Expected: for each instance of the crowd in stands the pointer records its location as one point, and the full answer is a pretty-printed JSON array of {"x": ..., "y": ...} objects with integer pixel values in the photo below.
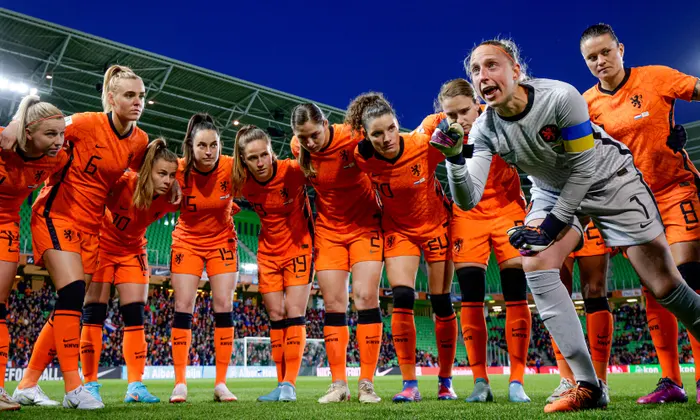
[{"x": 28, "y": 310}]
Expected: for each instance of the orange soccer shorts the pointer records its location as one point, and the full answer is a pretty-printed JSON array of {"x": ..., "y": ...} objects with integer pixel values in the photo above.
[
  {"x": 679, "y": 213},
  {"x": 593, "y": 244},
  {"x": 475, "y": 233},
  {"x": 62, "y": 235},
  {"x": 334, "y": 251},
  {"x": 275, "y": 276},
  {"x": 9, "y": 242},
  {"x": 118, "y": 269},
  {"x": 435, "y": 245},
  {"x": 189, "y": 259}
]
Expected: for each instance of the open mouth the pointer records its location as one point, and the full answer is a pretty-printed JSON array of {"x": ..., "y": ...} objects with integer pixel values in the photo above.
[{"x": 489, "y": 92}]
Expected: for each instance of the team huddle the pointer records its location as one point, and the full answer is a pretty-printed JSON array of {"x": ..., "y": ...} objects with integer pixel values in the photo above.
[{"x": 608, "y": 170}]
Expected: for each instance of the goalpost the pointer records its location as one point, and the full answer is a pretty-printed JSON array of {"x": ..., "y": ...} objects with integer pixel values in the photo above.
[{"x": 257, "y": 351}]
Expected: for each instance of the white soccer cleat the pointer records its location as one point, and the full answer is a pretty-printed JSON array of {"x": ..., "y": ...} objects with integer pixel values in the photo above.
[
  {"x": 33, "y": 396},
  {"x": 366, "y": 394},
  {"x": 7, "y": 403},
  {"x": 81, "y": 399},
  {"x": 179, "y": 394},
  {"x": 337, "y": 392},
  {"x": 564, "y": 385},
  {"x": 222, "y": 394}
]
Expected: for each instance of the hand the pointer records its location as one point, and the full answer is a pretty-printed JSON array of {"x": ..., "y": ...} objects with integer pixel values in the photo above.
[
  {"x": 531, "y": 240},
  {"x": 677, "y": 139},
  {"x": 176, "y": 194},
  {"x": 8, "y": 137},
  {"x": 448, "y": 138}
]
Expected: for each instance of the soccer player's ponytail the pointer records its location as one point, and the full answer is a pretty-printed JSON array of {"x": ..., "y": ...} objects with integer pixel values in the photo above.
[
  {"x": 109, "y": 84},
  {"x": 30, "y": 115},
  {"x": 156, "y": 150},
  {"x": 301, "y": 114},
  {"x": 245, "y": 135},
  {"x": 366, "y": 107},
  {"x": 199, "y": 121}
]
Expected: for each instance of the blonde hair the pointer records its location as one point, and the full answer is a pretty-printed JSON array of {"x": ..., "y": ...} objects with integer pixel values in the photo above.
[
  {"x": 29, "y": 116},
  {"x": 244, "y": 136},
  {"x": 143, "y": 194},
  {"x": 509, "y": 48},
  {"x": 301, "y": 114},
  {"x": 112, "y": 77}
]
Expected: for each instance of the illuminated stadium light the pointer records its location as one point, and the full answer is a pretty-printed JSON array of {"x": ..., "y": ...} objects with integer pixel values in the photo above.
[
  {"x": 17, "y": 87},
  {"x": 579, "y": 302},
  {"x": 497, "y": 309},
  {"x": 151, "y": 102},
  {"x": 532, "y": 305},
  {"x": 631, "y": 300},
  {"x": 250, "y": 267},
  {"x": 236, "y": 122},
  {"x": 49, "y": 76}
]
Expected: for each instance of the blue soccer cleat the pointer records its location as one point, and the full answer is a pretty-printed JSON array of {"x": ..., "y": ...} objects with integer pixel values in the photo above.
[
  {"x": 516, "y": 393},
  {"x": 287, "y": 392},
  {"x": 94, "y": 389},
  {"x": 272, "y": 396},
  {"x": 136, "y": 392},
  {"x": 410, "y": 393}
]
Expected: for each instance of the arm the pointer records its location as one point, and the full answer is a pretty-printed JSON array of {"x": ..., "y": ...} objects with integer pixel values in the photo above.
[
  {"x": 696, "y": 91},
  {"x": 467, "y": 178},
  {"x": 577, "y": 134}
]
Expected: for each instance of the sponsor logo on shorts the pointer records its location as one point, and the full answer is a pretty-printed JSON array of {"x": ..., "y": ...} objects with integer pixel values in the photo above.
[
  {"x": 644, "y": 225},
  {"x": 688, "y": 228}
]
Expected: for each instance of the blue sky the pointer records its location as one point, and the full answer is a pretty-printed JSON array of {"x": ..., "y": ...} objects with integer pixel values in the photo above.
[{"x": 331, "y": 51}]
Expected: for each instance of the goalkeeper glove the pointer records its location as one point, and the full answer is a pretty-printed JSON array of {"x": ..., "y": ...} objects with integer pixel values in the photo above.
[
  {"x": 677, "y": 139},
  {"x": 448, "y": 138},
  {"x": 530, "y": 240}
]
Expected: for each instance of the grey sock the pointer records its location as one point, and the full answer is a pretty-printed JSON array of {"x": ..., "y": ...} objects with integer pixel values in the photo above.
[
  {"x": 559, "y": 315},
  {"x": 684, "y": 303}
]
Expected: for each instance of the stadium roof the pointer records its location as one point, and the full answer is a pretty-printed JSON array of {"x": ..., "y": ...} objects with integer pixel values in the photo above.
[{"x": 66, "y": 66}]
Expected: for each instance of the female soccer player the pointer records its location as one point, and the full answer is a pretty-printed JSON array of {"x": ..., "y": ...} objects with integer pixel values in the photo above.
[
  {"x": 277, "y": 191},
  {"x": 473, "y": 234},
  {"x": 592, "y": 260},
  {"x": 347, "y": 240},
  {"x": 38, "y": 154},
  {"x": 66, "y": 218},
  {"x": 635, "y": 105},
  {"x": 415, "y": 218},
  {"x": 135, "y": 201},
  {"x": 204, "y": 236},
  {"x": 543, "y": 126}
]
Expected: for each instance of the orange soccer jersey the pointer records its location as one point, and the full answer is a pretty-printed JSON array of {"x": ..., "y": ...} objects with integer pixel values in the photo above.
[
  {"x": 639, "y": 113},
  {"x": 98, "y": 157},
  {"x": 347, "y": 226},
  {"x": 285, "y": 240},
  {"x": 414, "y": 207},
  {"x": 19, "y": 177},
  {"x": 475, "y": 232},
  {"x": 205, "y": 232}
]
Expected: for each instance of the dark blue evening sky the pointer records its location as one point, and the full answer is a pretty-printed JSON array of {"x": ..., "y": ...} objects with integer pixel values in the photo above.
[{"x": 331, "y": 51}]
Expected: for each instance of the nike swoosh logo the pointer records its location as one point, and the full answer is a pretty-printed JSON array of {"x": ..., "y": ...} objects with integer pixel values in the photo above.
[
  {"x": 691, "y": 227},
  {"x": 600, "y": 243},
  {"x": 643, "y": 225},
  {"x": 292, "y": 338},
  {"x": 301, "y": 275},
  {"x": 330, "y": 335},
  {"x": 4, "y": 347},
  {"x": 445, "y": 341},
  {"x": 97, "y": 146},
  {"x": 101, "y": 374},
  {"x": 274, "y": 341},
  {"x": 141, "y": 352},
  {"x": 375, "y": 336},
  {"x": 68, "y": 341},
  {"x": 602, "y": 337},
  {"x": 383, "y": 372},
  {"x": 134, "y": 396},
  {"x": 227, "y": 338},
  {"x": 180, "y": 338},
  {"x": 519, "y": 329}
]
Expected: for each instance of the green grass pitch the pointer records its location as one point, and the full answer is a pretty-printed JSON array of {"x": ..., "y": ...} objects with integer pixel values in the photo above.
[{"x": 625, "y": 389}]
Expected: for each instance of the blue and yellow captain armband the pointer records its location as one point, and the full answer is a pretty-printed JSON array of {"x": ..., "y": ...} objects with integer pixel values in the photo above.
[{"x": 578, "y": 138}]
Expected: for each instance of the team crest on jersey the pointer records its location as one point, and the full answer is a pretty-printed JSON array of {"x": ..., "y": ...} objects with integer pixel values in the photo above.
[
  {"x": 344, "y": 155},
  {"x": 458, "y": 245},
  {"x": 416, "y": 169},
  {"x": 223, "y": 186},
  {"x": 549, "y": 133},
  {"x": 636, "y": 101},
  {"x": 38, "y": 175},
  {"x": 284, "y": 193}
]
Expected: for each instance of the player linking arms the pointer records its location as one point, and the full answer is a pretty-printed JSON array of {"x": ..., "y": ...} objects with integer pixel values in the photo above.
[
  {"x": 635, "y": 105},
  {"x": 204, "y": 236},
  {"x": 473, "y": 234},
  {"x": 347, "y": 239},
  {"x": 543, "y": 127},
  {"x": 38, "y": 154},
  {"x": 415, "y": 218},
  {"x": 136, "y": 201},
  {"x": 277, "y": 191}
]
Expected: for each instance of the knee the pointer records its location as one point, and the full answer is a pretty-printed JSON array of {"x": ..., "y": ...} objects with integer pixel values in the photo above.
[
  {"x": 222, "y": 303},
  {"x": 365, "y": 299},
  {"x": 595, "y": 289},
  {"x": 514, "y": 284},
  {"x": 133, "y": 314},
  {"x": 403, "y": 297},
  {"x": 276, "y": 313},
  {"x": 472, "y": 283},
  {"x": 184, "y": 305},
  {"x": 535, "y": 263},
  {"x": 335, "y": 302}
]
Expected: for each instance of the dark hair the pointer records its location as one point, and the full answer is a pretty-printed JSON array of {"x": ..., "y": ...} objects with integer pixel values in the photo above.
[
  {"x": 244, "y": 136},
  {"x": 156, "y": 150},
  {"x": 301, "y": 114},
  {"x": 509, "y": 47},
  {"x": 599, "y": 29},
  {"x": 454, "y": 88},
  {"x": 197, "y": 123},
  {"x": 365, "y": 107}
]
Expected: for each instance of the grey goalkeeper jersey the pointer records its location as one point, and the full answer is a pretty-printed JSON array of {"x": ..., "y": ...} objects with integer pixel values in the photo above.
[{"x": 552, "y": 141}]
